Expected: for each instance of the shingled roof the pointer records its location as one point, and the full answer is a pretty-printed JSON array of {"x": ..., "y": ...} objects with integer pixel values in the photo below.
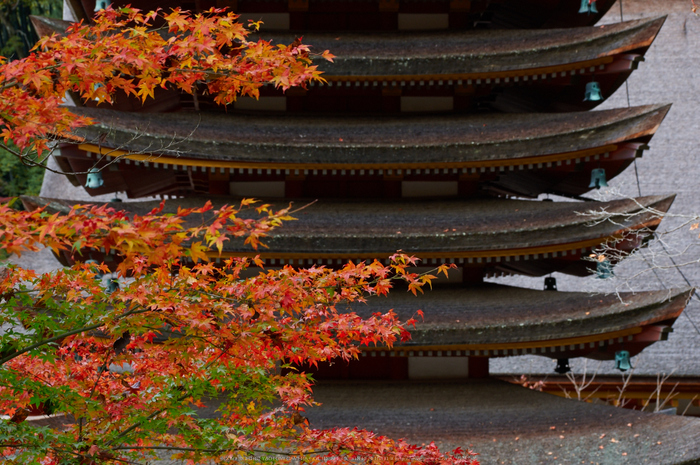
[
  {"x": 506, "y": 423},
  {"x": 47, "y": 26},
  {"x": 376, "y": 228},
  {"x": 317, "y": 142},
  {"x": 490, "y": 313},
  {"x": 486, "y": 53},
  {"x": 509, "y": 233},
  {"x": 497, "y": 70},
  {"x": 502, "y": 320}
]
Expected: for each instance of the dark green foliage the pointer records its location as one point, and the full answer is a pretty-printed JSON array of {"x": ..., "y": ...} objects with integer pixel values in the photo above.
[
  {"x": 17, "y": 35},
  {"x": 17, "y": 178}
]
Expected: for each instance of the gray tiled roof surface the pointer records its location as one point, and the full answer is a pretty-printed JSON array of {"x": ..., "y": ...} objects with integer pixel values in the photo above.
[
  {"x": 504, "y": 423},
  {"x": 491, "y": 314},
  {"x": 371, "y": 140},
  {"x": 380, "y": 227},
  {"x": 430, "y": 53},
  {"x": 507, "y": 424}
]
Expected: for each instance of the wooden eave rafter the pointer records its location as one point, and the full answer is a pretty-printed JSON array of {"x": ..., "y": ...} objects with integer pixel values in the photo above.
[
  {"x": 574, "y": 341},
  {"x": 222, "y": 164},
  {"x": 476, "y": 78}
]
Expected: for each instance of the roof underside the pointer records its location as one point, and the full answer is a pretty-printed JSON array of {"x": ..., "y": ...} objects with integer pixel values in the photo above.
[{"x": 519, "y": 14}]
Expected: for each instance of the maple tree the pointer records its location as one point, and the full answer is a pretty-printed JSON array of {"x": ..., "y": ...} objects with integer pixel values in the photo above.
[
  {"x": 127, "y": 366},
  {"x": 123, "y": 52}
]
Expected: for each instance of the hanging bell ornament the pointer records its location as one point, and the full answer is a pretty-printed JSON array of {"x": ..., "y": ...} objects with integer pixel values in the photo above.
[
  {"x": 562, "y": 366},
  {"x": 550, "y": 284},
  {"x": 622, "y": 360},
  {"x": 101, "y": 5},
  {"x": 598, "y": 178},
  {"x": 603, "y": 269},
  {"x": 593, "y": 93},
  {"x": 112, "y": 285},
  {"x": 588, "y": 7},
  {"x": 94, "y": 179}
]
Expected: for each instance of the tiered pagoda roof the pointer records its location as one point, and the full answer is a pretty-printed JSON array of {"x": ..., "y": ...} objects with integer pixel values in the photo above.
[
  {"x": 545, "y": 153},
  {"x": 458, "y": 71},
  {"x": 489, "y": 320},
  {"x": 487, "y": 237},
  {"x": 454, "y": 157},
  {"x": 447, "y": 71},
  {"x": 525, "y": 321}
]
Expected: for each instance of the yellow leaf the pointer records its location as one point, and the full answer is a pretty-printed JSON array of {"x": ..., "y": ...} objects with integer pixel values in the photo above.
[{"x": 197, "y": 251}]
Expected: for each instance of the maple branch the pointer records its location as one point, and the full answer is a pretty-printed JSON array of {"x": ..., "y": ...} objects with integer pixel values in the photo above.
[
  {"x": 237, "y": 449},
  {"x": 158, "y": 412},
  {"x": 64, "y": 335},
  {"x": 90, "y": 459},
  {"x": 26, "y": 160},
  {"x": 92, "y": 392},
  {"x": 148, "y": 418},
  {"x": 65, "y": 451},
  {"x": 14, "y": 83},
  {"x": 49, "y": 341}
]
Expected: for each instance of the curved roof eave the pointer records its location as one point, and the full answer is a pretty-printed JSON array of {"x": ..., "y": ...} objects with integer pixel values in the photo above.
[
  {"x": 473, "y": 52},
  {"x": 281, "y": 140},
  {"x": 495, "y": 316},
  {"x": 440, "y": 228}
]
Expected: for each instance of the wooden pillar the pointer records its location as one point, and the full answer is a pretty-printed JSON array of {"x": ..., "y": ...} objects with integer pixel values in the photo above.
[{"x": 478, "y": 367}]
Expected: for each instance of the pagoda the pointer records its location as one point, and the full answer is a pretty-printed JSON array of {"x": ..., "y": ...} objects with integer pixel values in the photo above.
[
  {"x": 439, "y": 126},
  {"x": 413, "y": 150}
]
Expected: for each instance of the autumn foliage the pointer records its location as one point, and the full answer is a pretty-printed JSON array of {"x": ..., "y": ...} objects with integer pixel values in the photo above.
[
  {"x": 129, "y": 366},
  {"x": 122, "y": 51},
  {"x": 184, "y": 357}
]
